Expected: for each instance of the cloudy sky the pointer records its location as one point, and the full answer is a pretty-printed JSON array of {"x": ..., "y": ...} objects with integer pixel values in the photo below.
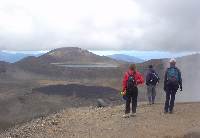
[{"x": 141, "y": 25}]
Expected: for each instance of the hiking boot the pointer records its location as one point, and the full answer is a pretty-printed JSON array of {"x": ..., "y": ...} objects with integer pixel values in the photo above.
[
  {"x": 133, "y": 114},
  {"x": 125, "y": 116},
  {"x": 165, "y": 112}
]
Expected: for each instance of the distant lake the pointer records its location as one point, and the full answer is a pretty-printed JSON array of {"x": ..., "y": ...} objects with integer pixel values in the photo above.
[{"x": 86, "y": 65}]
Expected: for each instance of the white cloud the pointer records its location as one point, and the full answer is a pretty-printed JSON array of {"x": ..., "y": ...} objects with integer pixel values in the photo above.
[{"x": 99, "y": 24}]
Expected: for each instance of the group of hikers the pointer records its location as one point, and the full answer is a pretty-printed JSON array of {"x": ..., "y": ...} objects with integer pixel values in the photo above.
[{"x": 133, "y": 78}]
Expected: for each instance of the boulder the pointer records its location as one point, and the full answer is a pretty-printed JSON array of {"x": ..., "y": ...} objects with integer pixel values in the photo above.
[{"x": 101, "y": 103}]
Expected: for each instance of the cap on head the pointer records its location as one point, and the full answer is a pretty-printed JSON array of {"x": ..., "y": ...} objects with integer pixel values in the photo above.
[{"x": 173, "y": 61}]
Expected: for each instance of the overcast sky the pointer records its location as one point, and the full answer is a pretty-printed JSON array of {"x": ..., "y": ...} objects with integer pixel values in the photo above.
[{"x": 147, "y": 25}]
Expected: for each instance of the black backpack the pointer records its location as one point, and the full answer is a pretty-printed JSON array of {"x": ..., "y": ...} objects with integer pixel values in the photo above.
[
  {"x": 154, "y": 79},
  {"x": 131, "y": 83}
]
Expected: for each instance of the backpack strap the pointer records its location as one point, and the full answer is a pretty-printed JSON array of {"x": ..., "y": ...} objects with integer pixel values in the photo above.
[{"x": 130, "y": 74}]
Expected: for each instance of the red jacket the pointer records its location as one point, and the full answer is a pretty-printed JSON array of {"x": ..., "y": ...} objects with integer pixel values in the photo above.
[{"x": 138, "y": 78}]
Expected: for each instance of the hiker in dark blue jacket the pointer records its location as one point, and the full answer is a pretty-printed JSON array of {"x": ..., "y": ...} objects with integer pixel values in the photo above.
[
  {"x": 172, "y": 82},
  {"x": 152, "y": 79}
]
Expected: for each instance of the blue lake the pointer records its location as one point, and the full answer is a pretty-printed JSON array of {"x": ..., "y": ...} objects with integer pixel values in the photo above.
[{"x": 87, "y": 65}]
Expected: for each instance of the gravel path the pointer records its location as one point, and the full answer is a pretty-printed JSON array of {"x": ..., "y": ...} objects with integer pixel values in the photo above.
[{"x": 89, "y": 122}]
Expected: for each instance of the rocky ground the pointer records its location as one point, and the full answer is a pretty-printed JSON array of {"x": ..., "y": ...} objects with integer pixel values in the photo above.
[{"x": 88, "y": 122}]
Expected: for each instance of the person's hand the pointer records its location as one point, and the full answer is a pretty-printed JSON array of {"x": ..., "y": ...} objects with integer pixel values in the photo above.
[
  {"x": 123, "y": 93},
  {"x": 181, "y": 89}
]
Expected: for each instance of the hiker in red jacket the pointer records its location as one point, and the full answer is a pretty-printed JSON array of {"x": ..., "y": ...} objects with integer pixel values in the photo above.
[{"x": 132, "y": 79}]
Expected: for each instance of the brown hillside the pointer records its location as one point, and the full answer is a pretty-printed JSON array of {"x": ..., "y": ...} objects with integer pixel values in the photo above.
[
  {"x": 49, "y": 65},
  {"x": 74, "y": 55}
]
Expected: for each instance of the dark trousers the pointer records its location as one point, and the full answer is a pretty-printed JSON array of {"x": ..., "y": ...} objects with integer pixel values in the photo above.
[
  {"x": 170, "y": 98},
  {"x": 131, "y": 98}
]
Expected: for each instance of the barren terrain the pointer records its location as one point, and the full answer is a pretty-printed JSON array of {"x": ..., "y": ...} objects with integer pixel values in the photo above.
[{"x": 88, "y": 122}]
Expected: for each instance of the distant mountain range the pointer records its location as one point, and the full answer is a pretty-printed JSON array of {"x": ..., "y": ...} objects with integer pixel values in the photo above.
[
  {"x": 14, "y": 57},
  {"x": 126, "y": 58}
]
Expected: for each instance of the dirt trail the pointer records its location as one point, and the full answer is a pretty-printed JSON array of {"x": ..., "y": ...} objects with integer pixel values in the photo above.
[{"x": 88, "y": 122}]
